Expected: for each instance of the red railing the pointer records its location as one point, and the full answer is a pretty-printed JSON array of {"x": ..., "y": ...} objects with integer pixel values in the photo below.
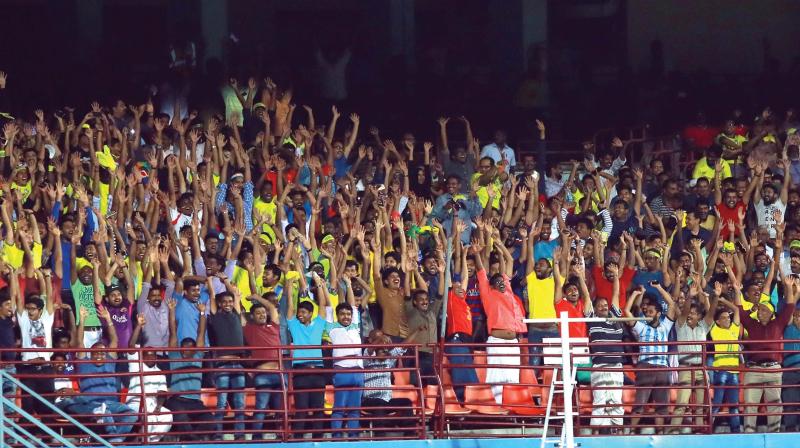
[{"x": 425, "y": 402}]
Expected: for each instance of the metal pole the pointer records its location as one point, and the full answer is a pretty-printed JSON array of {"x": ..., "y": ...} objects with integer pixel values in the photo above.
[
  {"x": 566, "y": 375},
  {"x": 448, "y": 260},
  {"x": 2, "y": 411}
]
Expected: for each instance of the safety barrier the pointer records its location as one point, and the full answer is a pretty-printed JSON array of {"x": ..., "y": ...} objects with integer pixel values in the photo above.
[{"x": 449, "y": 390}]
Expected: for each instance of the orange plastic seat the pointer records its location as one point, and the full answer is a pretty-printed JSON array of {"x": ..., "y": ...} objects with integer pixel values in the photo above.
[
  {"x": 405, "y": 391},
  {"x": 209, "y": 397},
  {"x": 402, "y": 377},
  {"x": 519, "y": 400},
  {"x": 479, "y": 398},
  {"x": 249, "y": 401},
  {"x": 451, "y": 404}
]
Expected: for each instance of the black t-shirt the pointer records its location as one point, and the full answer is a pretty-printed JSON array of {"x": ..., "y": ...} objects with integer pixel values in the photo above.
[
  {"x": 631, "y": 225},
  {"x": 8, "y": 339},
  {"x": 225, "y": 330}
]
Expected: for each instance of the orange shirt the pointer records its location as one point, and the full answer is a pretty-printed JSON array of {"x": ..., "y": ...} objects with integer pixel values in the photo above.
[
  {"x": 459, "y": 316},
  {"x": 576, "y": 329},
  {"x": 503, "y": 311}
]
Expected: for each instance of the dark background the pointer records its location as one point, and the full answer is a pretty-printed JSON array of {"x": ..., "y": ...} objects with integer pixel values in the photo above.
[{"x": 602, "y": 63}]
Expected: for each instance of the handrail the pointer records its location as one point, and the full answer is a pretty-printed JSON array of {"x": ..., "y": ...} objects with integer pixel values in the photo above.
[
  {"x": 432, "y": 408},
  {"x": 5, "y": 376}
]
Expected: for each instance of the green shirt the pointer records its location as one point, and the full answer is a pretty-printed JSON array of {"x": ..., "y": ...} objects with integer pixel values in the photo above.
[{"x": 84, "y": 298}]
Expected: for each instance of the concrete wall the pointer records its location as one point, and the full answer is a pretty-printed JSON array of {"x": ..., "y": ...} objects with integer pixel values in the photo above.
[
  {"x": 719, "y": 35},
  {"x": 726, "y": 440}
]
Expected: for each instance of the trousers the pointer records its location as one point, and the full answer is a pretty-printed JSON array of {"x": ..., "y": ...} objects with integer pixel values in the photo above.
[
  {"x": 269, "y": 395},
  {"x": 697, "y": 380},
  {"x": 225, "y": 381},
  {"x": 193, "y": 425},
  {"x": 766, "y": 383},
  {"x": 726, "y": 391},
  {"x": 607, "y": 407},
  {"x": 347, "y": 402}
]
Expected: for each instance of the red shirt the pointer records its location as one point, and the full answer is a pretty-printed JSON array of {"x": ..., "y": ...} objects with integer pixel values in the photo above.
[
  {"x": 272, "y": 176},
  {"x": 576, "y": 329},
  {"x": 604, "y": 288},
  {"x": 727, "y": 214},
  {"x": 31, "y": 286},
  {"x": 263, "y": 336},
  {"x": 503, "y": 309},
  {"x": 459, "y": 316},
  {"x": 702, "y": 136}
]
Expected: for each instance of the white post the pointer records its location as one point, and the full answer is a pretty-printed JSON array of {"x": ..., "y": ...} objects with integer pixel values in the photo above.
[{"x": 566, "y": 374}]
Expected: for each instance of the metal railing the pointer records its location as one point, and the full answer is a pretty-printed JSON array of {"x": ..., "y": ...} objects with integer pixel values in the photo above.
[{"x": 429, "y": 397}]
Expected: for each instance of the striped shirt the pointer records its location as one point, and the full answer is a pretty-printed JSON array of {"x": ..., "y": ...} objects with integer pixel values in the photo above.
[
  {"x": 379, "y": 384},
  {"x": 604, "y": 333},
  {"x": 474, "y": 300},
  {"x": 653, "y": 354},
  {"x": 691, "y": 354}
]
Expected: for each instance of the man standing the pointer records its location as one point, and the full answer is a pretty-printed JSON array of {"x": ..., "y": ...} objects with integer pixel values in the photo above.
[
  {"x": 499, "y": 151},
  {"x": 791, "y": 378},
  {"x": 692, "y": 326},
  {"x": 764, "y": 360},
  {"x": 35, "y": 319},
  {"x": 504, "y": 316},
  {"x": 652, "y": 383}
]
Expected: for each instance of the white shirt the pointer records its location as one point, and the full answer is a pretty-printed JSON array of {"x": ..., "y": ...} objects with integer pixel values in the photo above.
[
  {"x": 154, "y": 382},
  {"x": 180, "y": 220},
  {"x": 36, "y": 334},
  {"x": 764, "y": 214},
  {"x": 350, "y": 335},
  {"x": 494, "y": 151}
]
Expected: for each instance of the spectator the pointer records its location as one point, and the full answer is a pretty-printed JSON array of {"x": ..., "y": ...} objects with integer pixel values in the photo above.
[
  {"x": 693, "y": 324},
  {"x": 378, "y": 381},
  {"x": 421, "y": 313},
  {"x": 499, "y": 151},
  {"x": 225, "y": 328},
  {"x": 727, "y": 327},
  {"x": 761, "y": 376},
  {"x": 504, "y": 316},
  {"x": 607, "y": 378},
  {"x": 190, "y": 416},
  {"x": 263, "y": 331},
  {"x": 149, "y": 383},
  {"x": 459, "y": 327},
  {"x": 7, "y": 339},
  {"x": 791, "y": 378},
  {"x": 99, "y": 394},
  {"x": 349, "y": 377},
  {"x": 541, "y": 287},
  {"x": 307, "y": 330},
  {"x": 654, "y": 383},
  {"x": 35, "y": 315}
]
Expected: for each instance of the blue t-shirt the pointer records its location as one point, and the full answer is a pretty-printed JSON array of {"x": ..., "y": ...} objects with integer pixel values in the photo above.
[
  {"x": 643, "y": 278},
  {"x": 98, "y": 384},
  {"x": 341, "y": 167},
  {"x": 187, "y": 316},
  {"x": 792, "y": 333},
  {"x": 310, "y": 334},
  {"x": 544, "y": 249},
  {"x": 186, "y": 382}
]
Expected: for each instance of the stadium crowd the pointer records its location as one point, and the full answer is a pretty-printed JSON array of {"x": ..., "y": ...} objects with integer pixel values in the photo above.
[{"x": 124, "y": 226}]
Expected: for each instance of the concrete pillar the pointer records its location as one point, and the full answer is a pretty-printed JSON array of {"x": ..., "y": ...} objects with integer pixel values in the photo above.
[
  {"x": 89, "y": 15},
  {"x": 214, "y": 23},
  {"x": 401, "y": 25},
  {"x": 534, "y": 27}
]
